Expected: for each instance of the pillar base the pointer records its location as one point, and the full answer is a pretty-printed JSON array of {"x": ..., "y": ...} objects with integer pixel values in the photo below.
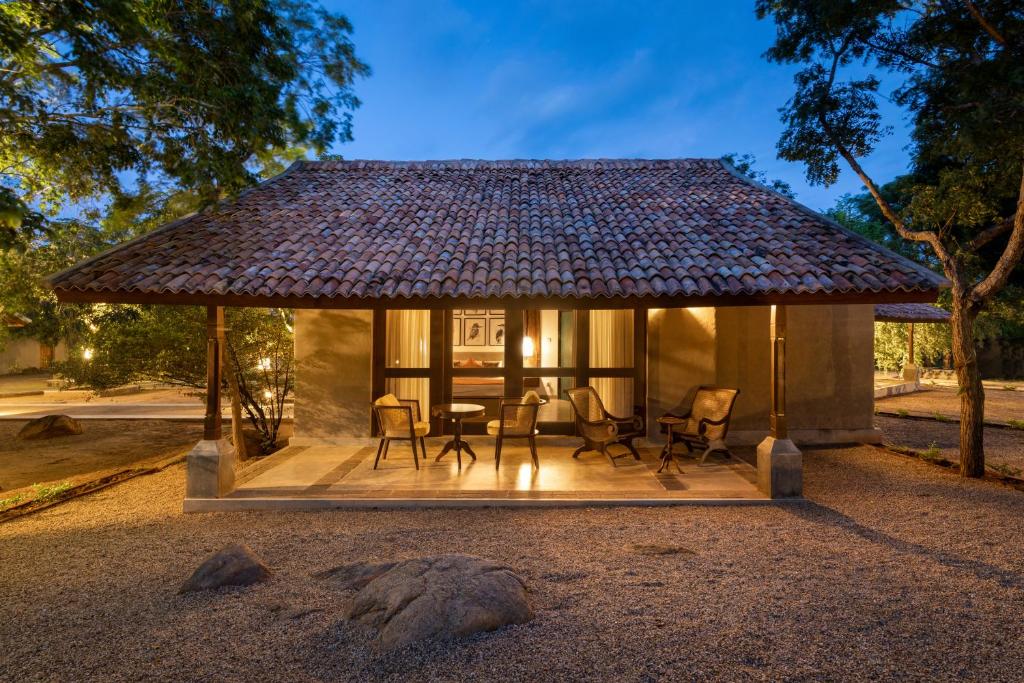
[
  {"x": 780, "y": 468},
  {"x": 210, "y": 469},
  {"x": 911, "y": 373}
]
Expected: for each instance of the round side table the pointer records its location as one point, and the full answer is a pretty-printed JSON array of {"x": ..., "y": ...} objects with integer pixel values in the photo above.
[
  {"x": 457, "y": 412},
  {"x": 666, "y": 452}
]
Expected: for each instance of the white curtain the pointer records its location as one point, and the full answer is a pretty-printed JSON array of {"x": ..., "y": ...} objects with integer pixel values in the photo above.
[
  {"x": 611, "y": 346},
  {"x": 407, "y": 344}
]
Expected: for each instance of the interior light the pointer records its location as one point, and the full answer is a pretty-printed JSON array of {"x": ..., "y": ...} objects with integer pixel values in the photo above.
[{"x": 527, "y": 346}]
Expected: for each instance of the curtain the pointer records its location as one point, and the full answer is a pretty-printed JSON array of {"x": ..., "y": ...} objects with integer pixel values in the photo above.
[
  {"x": 407, "y": 344},
  {"x": 611, "y": 346}
]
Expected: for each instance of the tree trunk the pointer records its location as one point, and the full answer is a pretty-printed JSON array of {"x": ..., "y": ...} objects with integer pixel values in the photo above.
[
  {"x": 241, "y": 454},
  {"x": 972, "y": 394}
]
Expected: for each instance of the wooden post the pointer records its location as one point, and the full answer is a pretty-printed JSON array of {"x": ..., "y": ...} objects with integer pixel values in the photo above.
[
  {"x": 910, "y": 343},
  {"x": 214, "y": 370},
  {"x": 777, "y": 417},
  {"x": 514, "y": 351}
]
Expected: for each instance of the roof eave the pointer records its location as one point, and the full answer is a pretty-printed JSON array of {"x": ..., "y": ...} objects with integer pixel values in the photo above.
[{"x": 599, "y": 302}]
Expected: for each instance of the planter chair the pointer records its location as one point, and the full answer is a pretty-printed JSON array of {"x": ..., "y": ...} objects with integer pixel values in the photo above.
[
  {"x": 599, "y": 428},
  {"x": 707, "y": 421},
  {"x": 399, "y": 419},
  {"x": 517, "y": 419}
]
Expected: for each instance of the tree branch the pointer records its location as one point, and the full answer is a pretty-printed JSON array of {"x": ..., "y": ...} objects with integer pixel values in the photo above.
[
  {"x": 989, "y": 28},
  {"x": 989, "y": 234},
  {"x": 932, "y": 238},
  {"x": 1011, "y": 256}
]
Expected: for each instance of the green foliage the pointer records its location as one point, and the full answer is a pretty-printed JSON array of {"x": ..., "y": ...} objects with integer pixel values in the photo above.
[
  {"x": 121, "y": 344},
  {"x": 956, "y": 71},
  {"x": 1015, "y": 424},
  {"x": 1006, "y": 470},
  {"x": 94, "y": 95},
  {"x": 745, "y": 165},
  {"x": 43, "y": 493},
  {"x": 931, "y": 344},
  {"x": 931, "y": 454}
]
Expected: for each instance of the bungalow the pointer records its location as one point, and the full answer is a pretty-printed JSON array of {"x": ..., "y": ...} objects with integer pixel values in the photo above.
[{"x": 471, "y": 280}]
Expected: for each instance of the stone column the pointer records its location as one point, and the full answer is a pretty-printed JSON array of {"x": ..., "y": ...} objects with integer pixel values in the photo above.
[
  {"x": 211, "y": 464},
  {"x": 779, "y": 461}
]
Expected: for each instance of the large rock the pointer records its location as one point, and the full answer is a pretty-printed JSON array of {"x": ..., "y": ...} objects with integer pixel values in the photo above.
[
  {"x": 235, "y": 565},
  {"x": 50, "y": 426},
  {"x": 440, "y": 597}
]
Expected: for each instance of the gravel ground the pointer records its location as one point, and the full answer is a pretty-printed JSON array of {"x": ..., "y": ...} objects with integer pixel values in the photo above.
[
  {"x": 1005, "y": 446},
  {"x": 892, "y": 569}
]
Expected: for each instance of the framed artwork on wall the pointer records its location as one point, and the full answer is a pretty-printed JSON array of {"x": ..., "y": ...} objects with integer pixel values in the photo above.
[
  {"x": 474, "y": 332},
  {"x": 475, "y": 311},
  {"x": 457, "y": 331},
  {"x": 496, "y": 331}
]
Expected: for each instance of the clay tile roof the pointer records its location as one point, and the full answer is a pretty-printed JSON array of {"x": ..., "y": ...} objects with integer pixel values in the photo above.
[
  {"x": 910, "y": 313},
  {"x": 354, "y": 232}
]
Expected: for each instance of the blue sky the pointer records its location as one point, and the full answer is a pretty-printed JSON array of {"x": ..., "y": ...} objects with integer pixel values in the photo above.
[{"x": 563, "y": 79}]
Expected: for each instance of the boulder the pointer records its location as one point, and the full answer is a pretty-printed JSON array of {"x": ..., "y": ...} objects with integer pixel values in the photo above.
[
  {"x": 235, "y": 565},
  {"x": 434, "y": 598},
  {"x": 50, "y": 426}
]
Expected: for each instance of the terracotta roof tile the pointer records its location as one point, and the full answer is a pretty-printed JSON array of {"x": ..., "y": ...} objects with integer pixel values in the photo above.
[{"x": 357, "y": 230}]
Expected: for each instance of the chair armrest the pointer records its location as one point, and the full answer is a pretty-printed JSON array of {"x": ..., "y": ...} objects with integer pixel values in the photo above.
[{"x": 705, "y": 422}]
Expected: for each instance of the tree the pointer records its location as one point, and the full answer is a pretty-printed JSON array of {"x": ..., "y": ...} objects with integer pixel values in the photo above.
[
  {"x": 130, "y": 343},
  {"x": 745, "y": 164},
  {"x": 96, "y": 95},
  {"x": 956, "y": 67}
]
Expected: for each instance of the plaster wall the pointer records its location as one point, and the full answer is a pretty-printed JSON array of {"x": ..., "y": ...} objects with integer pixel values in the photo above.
[
  {"x": 22, "y": 353},
  {"x": 332, "y": 374},
  {"x": 829, "y": 368}
]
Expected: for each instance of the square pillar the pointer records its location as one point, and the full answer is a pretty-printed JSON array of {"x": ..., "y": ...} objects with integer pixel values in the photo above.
[
  {"x": 211, "y": 464},
  {"x": 780, "y": 467}
]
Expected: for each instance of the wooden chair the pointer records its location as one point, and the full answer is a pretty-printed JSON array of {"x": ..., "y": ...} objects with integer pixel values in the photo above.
[
  {"x": 399, "y": 419},
  {"x": 599, "y": 428},
  {"x": 517, "y": 419},
  {"x": 707, "y": 420}
]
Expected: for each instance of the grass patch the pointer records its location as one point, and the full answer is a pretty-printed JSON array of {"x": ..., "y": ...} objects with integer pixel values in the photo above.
[
  {"x": 1006, "y": 470},
  {"x": 903, "y": 412},
  {"x": 11, "y": 501},
  {"x": 931, "y": 454},
  {"x": 44, "y": 494},
  {"x": 1015, "y": 424},
  {"x": 1009, "y": 387},
  {"x": 939, "y": 417}
]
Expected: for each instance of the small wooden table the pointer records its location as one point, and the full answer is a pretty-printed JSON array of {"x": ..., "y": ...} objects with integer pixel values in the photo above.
[
  {"x": 457, "y": 412},
  {"x": 666, "y": 452}
]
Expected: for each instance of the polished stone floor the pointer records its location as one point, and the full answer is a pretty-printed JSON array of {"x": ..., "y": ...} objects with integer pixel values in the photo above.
[{"x": 346, "y": 472}]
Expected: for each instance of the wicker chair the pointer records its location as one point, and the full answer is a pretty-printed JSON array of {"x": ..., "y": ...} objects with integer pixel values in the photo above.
[
  {"x": 399, "y": 419},
  {"x": 517, "y": 419},
  {"x": 599, "y": 428},
  {"x": 707, "y": 420}
]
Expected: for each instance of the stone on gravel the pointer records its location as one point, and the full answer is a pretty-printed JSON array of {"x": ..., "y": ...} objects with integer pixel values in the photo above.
[
  {"x": 235, "y": 565},
  {"x": 50, "y": 426},
  {"x": 436, "y": 598}
]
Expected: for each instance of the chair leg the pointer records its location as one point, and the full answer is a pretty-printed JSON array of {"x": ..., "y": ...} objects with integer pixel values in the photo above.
[
  {"x": 632, "y": 448},
  {"x": 423, "y": 448},
  {"x": 581, "y": 449},
  {"x": 415, "y": 458},
  {"x": 380, "y": 448},
  {"x": 604, "y": 449},
  {"x": 533, "y": 452},
  {"x": 497, "y": 452}
]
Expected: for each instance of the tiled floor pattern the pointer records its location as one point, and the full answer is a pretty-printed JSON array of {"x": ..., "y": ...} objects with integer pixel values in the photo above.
[{"x": 347, "y": 472}]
